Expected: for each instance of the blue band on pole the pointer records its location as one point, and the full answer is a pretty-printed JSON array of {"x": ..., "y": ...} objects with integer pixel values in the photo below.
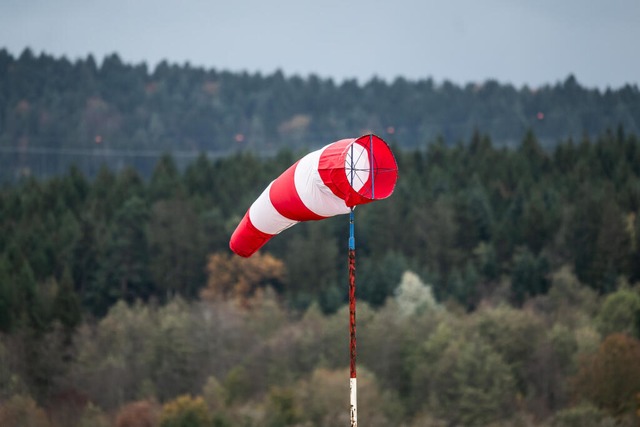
[{"x": 352, "y": 239}]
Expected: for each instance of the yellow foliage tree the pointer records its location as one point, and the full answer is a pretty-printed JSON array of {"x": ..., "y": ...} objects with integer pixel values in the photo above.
[
  {"x": 22, "y": 411},
  {"x": 185, "y": 411},
  {"x": 234, "y": 277}
]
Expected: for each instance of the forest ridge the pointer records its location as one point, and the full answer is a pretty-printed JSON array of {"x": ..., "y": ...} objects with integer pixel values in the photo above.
[{"x": 54, "y": 103}]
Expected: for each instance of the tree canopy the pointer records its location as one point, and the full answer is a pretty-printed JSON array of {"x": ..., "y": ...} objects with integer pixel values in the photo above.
[{"x": 54, "y": 111}]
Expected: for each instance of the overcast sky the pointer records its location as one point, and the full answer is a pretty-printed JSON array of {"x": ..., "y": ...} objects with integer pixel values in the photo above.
[{"x": 533, "y": 42}]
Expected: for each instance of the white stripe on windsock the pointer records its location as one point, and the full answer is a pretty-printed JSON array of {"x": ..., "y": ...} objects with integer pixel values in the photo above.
[
  {"x": 360, "y": 166},
  {"x": 315, "y": 195},
  {"x": 265, "y": 217}
]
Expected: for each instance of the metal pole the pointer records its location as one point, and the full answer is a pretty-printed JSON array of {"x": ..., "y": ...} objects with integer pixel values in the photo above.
[
  {"x": 353, "y": 389},
  {"x": 371, "y": 168}
]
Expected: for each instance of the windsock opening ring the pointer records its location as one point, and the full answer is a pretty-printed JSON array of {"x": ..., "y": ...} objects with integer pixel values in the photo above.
[{"x": 359, "y": 170}]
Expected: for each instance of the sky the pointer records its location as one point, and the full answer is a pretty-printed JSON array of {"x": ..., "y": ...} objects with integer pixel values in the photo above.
[{"x": 518, "y": 42}]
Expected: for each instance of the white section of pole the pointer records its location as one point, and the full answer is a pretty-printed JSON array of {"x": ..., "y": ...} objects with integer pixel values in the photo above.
[{"x": 353, "y": 398}]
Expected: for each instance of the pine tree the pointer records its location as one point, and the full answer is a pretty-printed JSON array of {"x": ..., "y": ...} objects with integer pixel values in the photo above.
[{"x": 66, "y": 304}]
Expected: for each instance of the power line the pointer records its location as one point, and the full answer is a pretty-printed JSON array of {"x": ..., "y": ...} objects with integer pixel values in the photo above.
[{"x": 112, "y": 152}]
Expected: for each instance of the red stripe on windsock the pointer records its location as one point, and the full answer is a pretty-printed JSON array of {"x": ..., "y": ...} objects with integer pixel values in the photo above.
[
  {"x": 285, "y": 197},
  {"x": 247, "y": 239}
]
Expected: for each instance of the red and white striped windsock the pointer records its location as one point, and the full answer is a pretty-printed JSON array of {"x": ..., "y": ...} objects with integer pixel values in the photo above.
[{"x": 324, "y": 183}]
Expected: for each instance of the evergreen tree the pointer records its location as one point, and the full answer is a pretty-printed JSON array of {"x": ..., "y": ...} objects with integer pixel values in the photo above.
[
  {"x": 380, "y": 278},
  {"x": 66, "y": 304},
  {"x": 85, "y": 260},
  {"x": 124, "y": 266},
  {"x": 312, "y": 261},
  {"x": 33, "y": 312},
  {"x": 165, "y": 182},
  {"x": 529, "y": 276},
  {"x": 177, "y": 257},
  {"x": 8, "y": 302}
]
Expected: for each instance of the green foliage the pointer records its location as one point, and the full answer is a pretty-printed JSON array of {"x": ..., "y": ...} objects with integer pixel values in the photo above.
[
  {"x": 283, "y": 408},
  {"x": 32, "y": 308},
  {"x": 214, "y": 394},
  {"x": 473, "y": 385},
  {"x": 166, "y": 181},
  {"x": 124, "y": 270},
  {"x": 176, "y": 249},
  {"x": 515, "y": 335},
  {"x": 312, "y": 260},
  {"x": 237, "y": 384},
  {"x": 7, "y": 297},
  {"x": 380, "y": 278},
  {"x": 173, "y": 357},
  {"x": 468, "y": 219},
  {"x": 66, "y": 305},
  {"x": 583, "y": 415},
  {"x": 620, "y": 312},
  {"x": 112, "y": 358},
  {"x": 569, "y": 300},
  {"x": 529, "y": 276}
]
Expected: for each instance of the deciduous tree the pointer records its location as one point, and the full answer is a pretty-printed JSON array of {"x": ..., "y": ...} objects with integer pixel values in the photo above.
[
  {"x": 610, "y": 378},
  {"x": 233, "y": 277}
]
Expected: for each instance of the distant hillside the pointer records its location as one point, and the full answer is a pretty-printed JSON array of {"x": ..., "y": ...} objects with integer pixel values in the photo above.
[{"x": 49, "y": 103}]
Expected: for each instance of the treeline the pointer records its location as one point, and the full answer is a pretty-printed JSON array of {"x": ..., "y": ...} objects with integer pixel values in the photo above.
[
  {"x": 568, "y": 358},
  {"x": 469, "y": 219},
  {"x": 522, "y": 268},
  {"x": 54, "y": 103}
]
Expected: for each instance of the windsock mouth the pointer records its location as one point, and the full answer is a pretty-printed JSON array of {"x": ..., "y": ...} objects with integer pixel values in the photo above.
[
  {"x": 370, "y": 167},
  {"x": 359, "y": 170}
]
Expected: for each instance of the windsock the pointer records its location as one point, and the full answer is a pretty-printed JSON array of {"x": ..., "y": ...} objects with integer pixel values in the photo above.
[{"x": 322, "y": 184}]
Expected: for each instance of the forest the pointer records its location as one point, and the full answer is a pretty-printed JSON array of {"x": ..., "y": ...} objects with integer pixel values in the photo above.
[
  {"x": 54, "y": 111},
  {"x": 498, "y": 286}
]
